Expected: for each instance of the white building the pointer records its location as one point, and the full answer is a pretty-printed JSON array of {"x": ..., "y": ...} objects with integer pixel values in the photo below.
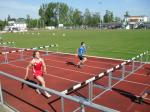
[
  {"x": 132, "y": 22},
  {"x": 16, "y": 26}
]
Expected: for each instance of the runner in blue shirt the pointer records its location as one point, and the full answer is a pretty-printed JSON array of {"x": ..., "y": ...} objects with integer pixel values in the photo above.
[{"x": 80, "y": 53}]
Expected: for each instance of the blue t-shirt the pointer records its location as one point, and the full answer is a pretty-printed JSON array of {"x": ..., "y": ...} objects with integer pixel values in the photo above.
[{"x": 81, "y": 51}]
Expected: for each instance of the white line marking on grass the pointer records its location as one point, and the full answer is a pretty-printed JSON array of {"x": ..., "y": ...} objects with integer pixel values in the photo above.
[{"x": 48, "y": 74}]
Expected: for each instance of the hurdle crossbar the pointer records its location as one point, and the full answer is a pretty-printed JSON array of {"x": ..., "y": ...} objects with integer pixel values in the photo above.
[
  {"x": 51, "y": 91},
  {"x": 26, "y": 49},
  {"x": 5, "y": 43},
  {"x": 79, "y": 85}
]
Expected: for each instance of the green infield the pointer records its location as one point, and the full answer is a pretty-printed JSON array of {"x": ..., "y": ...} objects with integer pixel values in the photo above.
[{"x": 122, "y": 44}]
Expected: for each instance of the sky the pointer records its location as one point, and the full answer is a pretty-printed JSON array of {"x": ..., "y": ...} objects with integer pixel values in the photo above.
[{"x": 20, "y": 8}]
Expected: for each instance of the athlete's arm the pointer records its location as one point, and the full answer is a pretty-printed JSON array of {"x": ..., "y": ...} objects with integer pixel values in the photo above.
[
  {"x": 44, "y": 66},
  {"x": 27, "y": 70}
]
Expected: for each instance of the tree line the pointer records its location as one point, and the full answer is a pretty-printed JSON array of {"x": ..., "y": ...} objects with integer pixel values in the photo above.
[
  {"x": 53, "y": 14},
  {"x": 60, "y": 13}
]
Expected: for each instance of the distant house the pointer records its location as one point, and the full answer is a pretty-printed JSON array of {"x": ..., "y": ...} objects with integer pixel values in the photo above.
[
  {"x": 16, "y": 25},
  {"x": 132, "y": 22}
]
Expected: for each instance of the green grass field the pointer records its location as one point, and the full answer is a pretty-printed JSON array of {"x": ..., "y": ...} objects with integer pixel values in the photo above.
[{"x": 122, "y": 44}]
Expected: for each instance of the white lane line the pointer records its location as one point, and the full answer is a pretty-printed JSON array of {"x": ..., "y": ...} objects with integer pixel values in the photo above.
[
  {"x": 136, "y": 83},
  {"x": 85, "y": 73},
  {"x": 96, "y": 67},
  {"x": 91, "y": 74},
  {"x": 140, "y": 74},
  {"x": 70, "y": 58},
  {"x": 48, "y": 74},
  {"x": 114, "y": 63}
]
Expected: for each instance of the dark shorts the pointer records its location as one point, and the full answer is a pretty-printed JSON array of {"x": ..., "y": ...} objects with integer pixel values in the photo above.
[{"x": 80, "y": 57}]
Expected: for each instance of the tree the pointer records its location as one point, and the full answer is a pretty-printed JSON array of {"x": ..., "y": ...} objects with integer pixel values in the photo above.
[
  {"x": 51, "y": 15},
  {"x": 54, "y": 13},
  {"x": 33, "y": 23},
  {"x": 28, "y": 20},
  {"x": 117, "y": 19},
  {"x": 8, "y": 18},
  {"x": 126, "y": 14},
  {"x": 42, "y": 12},
  {"x": 2, "y": 24},
  {"x": 87, "y": 17},
  {"x": 63, "y": 13},
  {"x": 77, "y": 18},
  {"x": 95, "y": 20},
  {"x": 70, "y": 18},
  {"x": 108, "y": 17}
]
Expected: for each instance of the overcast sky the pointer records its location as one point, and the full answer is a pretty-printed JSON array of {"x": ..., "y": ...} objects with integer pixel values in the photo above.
[{"x": 20, "y": 8}]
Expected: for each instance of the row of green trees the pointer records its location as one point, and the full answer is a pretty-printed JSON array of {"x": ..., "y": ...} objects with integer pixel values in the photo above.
[
  {"x": 52, "y": 14},
  {"x": 2, "y": 24},
  {"x": 60, "y": 13}
]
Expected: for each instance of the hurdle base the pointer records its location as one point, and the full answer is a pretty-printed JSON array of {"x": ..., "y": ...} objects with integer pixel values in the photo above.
[
  {"x": 117, "y": 78},
  {"x": 100, "y": 87}
]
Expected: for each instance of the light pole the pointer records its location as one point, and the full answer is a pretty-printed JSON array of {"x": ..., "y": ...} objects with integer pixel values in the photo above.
[
  {"x": 58, "y": 13},
  {"x": 44, "y": 8},
  {"x": 100, "y": 3}
]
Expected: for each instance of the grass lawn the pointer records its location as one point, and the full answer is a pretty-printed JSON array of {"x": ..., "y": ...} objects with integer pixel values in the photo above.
[{"x": 122, "y": 44}]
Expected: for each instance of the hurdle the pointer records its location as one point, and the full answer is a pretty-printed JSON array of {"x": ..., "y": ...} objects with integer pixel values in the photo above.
[
  {"x": 1, "y": 95},
  {"x": 21, "y": 51},
  {"x": 47, "y": 48},
  {"x": 82, "y": 102},
  {"x": 6, "y": 44},
  {"x": 91, "y": 82}
]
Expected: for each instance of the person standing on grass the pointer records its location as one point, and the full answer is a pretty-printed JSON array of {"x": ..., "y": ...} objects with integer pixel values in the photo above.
[
  {"x": 38, "y": 69},
  {"x": 80, "y": 53}
]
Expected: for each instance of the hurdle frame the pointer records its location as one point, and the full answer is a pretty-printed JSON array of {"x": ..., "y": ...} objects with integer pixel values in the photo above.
[
  {"x": 82, "y": 102},
  {"x": 1, "y": 95},
  {"x": 6, "y": 44},
  {"x": 21, "y": 51},
  {"x": 123, "y": 70},
  {"x": 90, "y": 82}
]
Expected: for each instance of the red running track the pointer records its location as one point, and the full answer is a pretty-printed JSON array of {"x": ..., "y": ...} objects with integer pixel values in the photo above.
[{"x": 62, "y": 75}]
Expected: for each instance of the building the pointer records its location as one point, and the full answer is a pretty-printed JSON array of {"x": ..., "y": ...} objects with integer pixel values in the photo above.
[
  {"x": 16, "y": 25},
  {"x": 132, "y": 22}
]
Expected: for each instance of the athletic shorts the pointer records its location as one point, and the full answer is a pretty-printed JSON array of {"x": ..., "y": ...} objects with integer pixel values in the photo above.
[{"x": 80, "y": 57}]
